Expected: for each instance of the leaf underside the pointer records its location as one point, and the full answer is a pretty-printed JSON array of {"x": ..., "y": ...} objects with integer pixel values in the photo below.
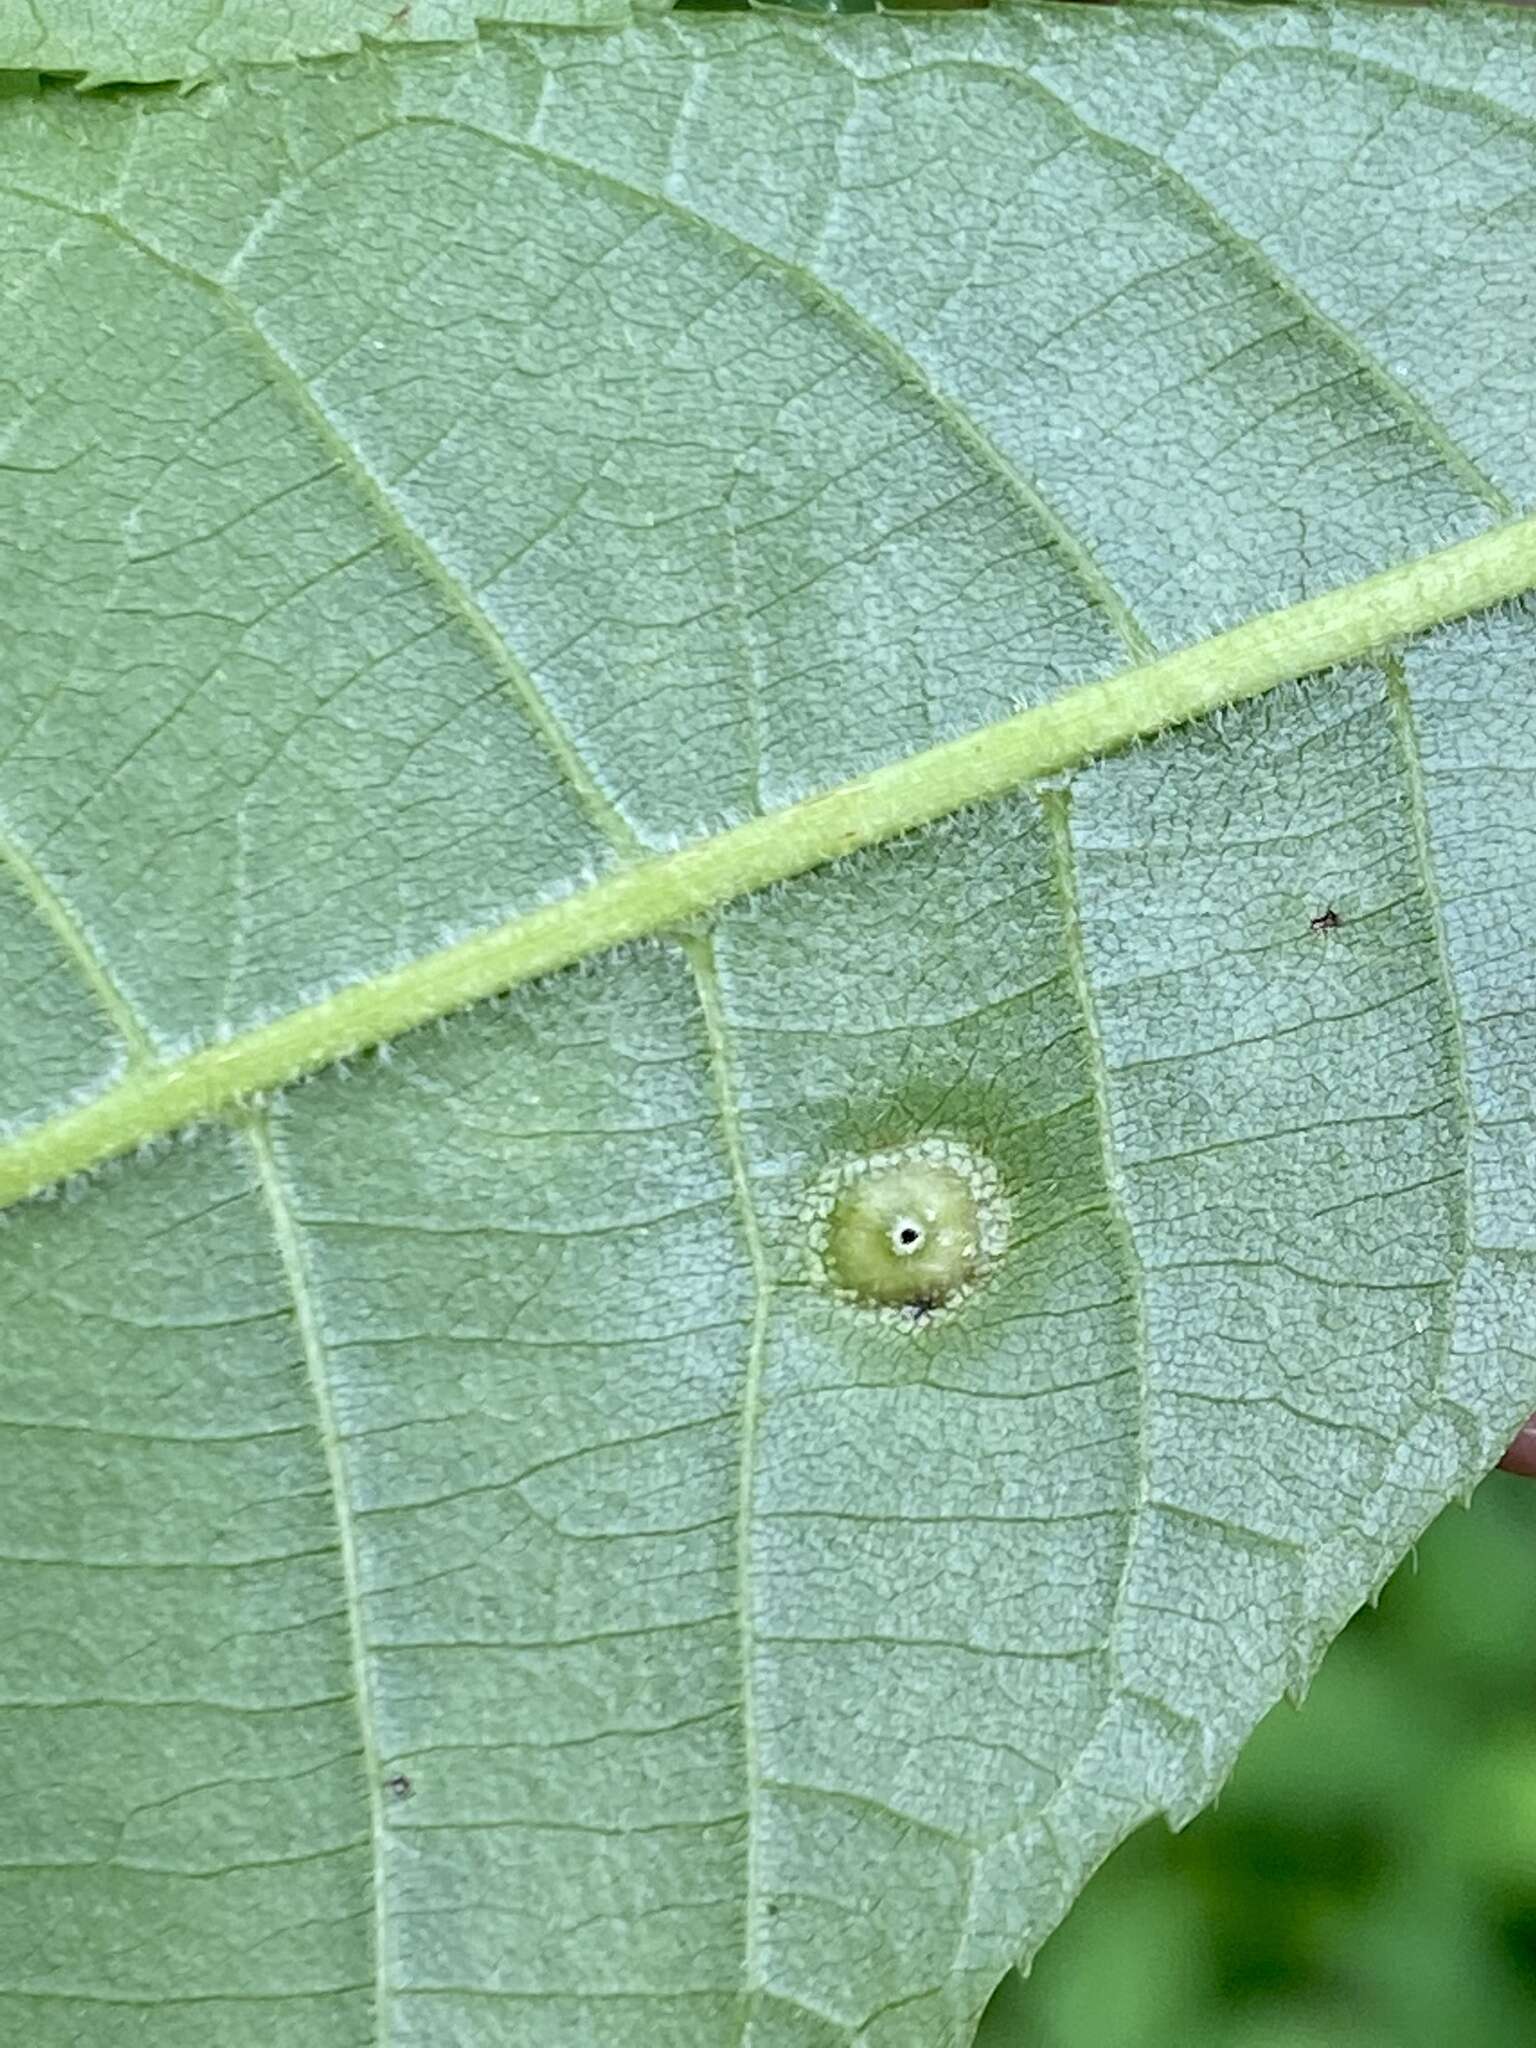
[
  {"x": 156, "y": 40},
  {"x": 465, "y": 1581}
]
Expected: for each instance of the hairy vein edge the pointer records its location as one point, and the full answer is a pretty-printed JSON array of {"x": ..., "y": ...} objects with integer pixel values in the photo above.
[{"x": 667, "y": 890}]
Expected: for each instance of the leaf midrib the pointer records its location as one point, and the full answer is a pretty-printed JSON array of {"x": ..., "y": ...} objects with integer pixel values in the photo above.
[
  {"x": 668, "y": 890},
  {"x": 664, "y": 891}
]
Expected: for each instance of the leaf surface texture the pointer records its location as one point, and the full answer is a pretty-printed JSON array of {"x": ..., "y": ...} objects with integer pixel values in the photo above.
[{"x": 465, "y": 1582}]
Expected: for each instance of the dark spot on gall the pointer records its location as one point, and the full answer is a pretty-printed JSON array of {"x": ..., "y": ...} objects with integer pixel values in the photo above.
[{"x": 398, "y": 1787}]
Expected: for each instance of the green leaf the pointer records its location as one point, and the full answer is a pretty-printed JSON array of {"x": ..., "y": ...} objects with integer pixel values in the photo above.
[
  {"x": 156, "y": 40},
  {"x": 471, "y": 1574}
]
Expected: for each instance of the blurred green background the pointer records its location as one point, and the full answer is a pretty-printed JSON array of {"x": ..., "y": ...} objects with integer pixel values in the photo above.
[{"x": 1368, "y": 1877}]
